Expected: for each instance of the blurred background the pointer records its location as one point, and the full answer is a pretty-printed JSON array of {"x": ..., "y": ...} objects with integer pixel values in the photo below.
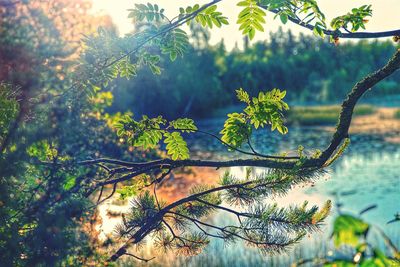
[{"x": 41, "y": 39}]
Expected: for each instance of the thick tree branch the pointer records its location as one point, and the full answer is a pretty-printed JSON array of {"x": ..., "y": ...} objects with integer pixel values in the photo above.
[{"x": 352, "y": 98}]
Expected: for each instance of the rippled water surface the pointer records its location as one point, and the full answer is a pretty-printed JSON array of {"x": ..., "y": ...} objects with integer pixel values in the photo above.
[{"x": 367, "y": 174}]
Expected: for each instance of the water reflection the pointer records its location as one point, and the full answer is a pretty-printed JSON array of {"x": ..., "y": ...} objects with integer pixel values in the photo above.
[{"x": 368, "y": 173}]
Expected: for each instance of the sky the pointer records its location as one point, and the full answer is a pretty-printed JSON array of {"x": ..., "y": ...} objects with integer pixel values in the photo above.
[{"x": 386, "y": 16}]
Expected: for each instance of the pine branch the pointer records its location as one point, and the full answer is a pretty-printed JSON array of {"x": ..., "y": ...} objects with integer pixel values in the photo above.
[{"x": 257, "y": 228}]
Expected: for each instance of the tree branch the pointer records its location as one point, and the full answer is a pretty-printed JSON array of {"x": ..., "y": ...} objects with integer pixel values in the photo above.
[
  {"x": 338, "y": 33},
  {"x": 137, "y": 168},
  {"x": 352, "y": 98}
]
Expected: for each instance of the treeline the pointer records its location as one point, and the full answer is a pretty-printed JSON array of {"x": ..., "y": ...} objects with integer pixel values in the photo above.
[{"x": 310, "y": 69}]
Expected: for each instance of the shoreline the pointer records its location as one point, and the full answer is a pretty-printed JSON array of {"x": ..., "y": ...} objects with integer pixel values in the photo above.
[{"x": 381, "y": 122}]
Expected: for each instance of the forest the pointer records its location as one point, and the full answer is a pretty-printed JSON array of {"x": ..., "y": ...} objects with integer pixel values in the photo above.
[
  {"x": 163, "y": 147},
  {"x": 207, "y": 74}
]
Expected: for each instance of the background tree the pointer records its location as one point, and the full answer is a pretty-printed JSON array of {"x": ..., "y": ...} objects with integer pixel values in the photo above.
[{"x": 43, "y": 117}]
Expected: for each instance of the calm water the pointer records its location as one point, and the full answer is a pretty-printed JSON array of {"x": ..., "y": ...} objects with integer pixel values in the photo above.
[{"x": 368, "y": 173}]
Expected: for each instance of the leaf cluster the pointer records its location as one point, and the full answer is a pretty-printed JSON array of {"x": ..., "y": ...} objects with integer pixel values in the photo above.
[
  {"x": 356, "y": 19},
  {"x": 148, "y": 132},
  {"x": 250, "y": 18},
  {"x": 265, "y": 109},
  {"x": 207, "y": 17},
  {"x": 149, "y": 12}
]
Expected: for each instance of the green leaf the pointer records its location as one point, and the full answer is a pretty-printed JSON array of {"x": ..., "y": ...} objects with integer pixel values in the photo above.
[
  {"x": 70, "y": 182},
  {"x": 284, "y": 18},
  {"x": 207, "y": 18},
  {"x": 184, "y": 125},
  {"x": 155, "y": 69},
  {"x": 173, "y": 55},
  {"x": 243, "y": 96},
  {"x": 127, "y": 191},
  {"x": 347, "y": 229},
  {"x": 147, "y": 139},
  {"x": 267, "y": 109},
  {"x": 176, "y": 146},
  {"x": 379, "y": 259},
  {"x": 236, "y": 130},
  {"x": 250, "y": 18},
  {"x": 147, "y": 12},
  {"x": 175, "y": 43}
]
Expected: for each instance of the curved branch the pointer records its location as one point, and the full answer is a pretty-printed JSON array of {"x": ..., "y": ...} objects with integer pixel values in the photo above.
[
  {"x": 172, "y": 26},
  {"x": 253, "y": 153},
  {"x": 340, "y": 134},
  {"x": 152, "y": 222},
  {"x": 139, "y": 258},
  {"x": 338, "y": 33},
  {"x": 352, "y": 98}
]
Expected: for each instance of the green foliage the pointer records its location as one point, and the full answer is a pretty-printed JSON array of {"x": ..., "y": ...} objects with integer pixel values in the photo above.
[
  {"x": 184, "y": 125},
  {"x": 198, "y": 209},
  {"x": 243, "y": 96},
  {"x": 201, "y": 86},
  {"x": 250, "y": 18},
  {"x": 126, "y": 68},
  {"x": 265, "y": 109},
  {"x": 308, "y": 10},
  {"x": 356, "y": 18},
  {"x": 257, "y": 187},
  {"x": 339, "y": 152},
  {"x": 152, "y": 61},
  {"x": 143, "y": 207},
  {"x": 189, "y": 84},
  {"x": 379, "y": 259},
  {"x": 8, "y": 108},
  {"x": 147, "y": 12},
  {"x": 148, "y": 132},
  {"x": 175, "y": 44},
  {"x": 43, "y": 151},
  {"x": 45, "y": 204},
  {"x": 176, "y": 146},
  {"x": 70, "y": 182},
  {"x": 145, "y": 133},
  {"x": 348, "y": 229},
  {"x": 266, "y": 227},
  {"x": 206, "y": 17},
  {"x": 236, "y": 130},
  {"x": 133, "y": 188}
]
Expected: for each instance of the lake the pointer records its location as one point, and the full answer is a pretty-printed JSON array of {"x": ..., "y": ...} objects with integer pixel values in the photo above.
[{"x": 368, "y": 173}]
